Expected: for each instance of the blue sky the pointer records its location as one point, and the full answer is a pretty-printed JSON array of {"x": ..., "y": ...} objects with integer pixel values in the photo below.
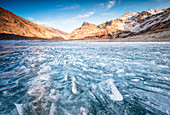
[{"x": 68, "y": 15}]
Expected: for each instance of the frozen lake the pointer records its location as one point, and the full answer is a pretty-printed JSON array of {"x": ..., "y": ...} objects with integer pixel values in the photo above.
[{"x": 60, "y": 78}]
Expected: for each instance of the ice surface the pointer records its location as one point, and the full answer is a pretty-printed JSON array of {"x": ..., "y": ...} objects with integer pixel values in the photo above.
[{"x": 85, "y": 78}]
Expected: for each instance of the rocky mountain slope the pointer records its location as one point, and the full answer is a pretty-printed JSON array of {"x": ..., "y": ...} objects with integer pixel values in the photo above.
[
  {"x": 129, "y": 24},
  {"x": 16, "y": 25}
]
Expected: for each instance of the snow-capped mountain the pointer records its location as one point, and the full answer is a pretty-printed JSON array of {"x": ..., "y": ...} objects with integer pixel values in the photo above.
[{"x": 126, "y": 25}]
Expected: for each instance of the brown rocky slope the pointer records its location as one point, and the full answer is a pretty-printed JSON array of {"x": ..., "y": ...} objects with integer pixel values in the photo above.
[
  {"x": 11, "y": 23},
  {"x": 129, "y": 24}
]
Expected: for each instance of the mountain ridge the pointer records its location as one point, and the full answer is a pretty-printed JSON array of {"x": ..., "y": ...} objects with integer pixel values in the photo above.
[
  {"x": 11, "y": 23},
  {"x": 128, "y": 24}
]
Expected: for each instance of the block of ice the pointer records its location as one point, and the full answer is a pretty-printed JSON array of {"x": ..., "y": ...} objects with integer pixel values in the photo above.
[
  {"x": 25, "y": 109},
  {"x": 109, "y": 89},
  {"x": 74, "y": 87},
  {"x": 58, "y": 110}
]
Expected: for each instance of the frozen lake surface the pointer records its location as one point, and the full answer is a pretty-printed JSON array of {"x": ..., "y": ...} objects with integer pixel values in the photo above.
[{"x": 60, "y": 78}]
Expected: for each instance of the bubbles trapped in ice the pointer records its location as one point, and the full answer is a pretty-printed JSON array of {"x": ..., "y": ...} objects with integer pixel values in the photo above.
[{"x": 42, "y": 78}]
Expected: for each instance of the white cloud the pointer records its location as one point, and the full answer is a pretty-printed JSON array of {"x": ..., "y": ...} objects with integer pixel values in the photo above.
[
  {"x": 119, "y": 1},
  {"x": 74, "y": 6},
  {"x": 58, "y": 6},
  {"x": 111, "y": 3},
  {"x": 159, "y": 0},
  {"x": 42, "y": 22},
  {"x": 30, "y": 18},
  {"x": 75, "y": 19},
  {"x": 106, "y": 14},
  {"x": 69, "y": 21},
  {"x": 108, "y": 4},
  {"x": 164, "y": 1},
  {"x": 101, "y": 5},
  {"x": 48, "y": 23},
  {"x": 85, "y": 15}
]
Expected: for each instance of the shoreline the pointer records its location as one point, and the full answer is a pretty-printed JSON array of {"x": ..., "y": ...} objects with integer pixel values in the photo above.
[{"x": 154, "y": 37}]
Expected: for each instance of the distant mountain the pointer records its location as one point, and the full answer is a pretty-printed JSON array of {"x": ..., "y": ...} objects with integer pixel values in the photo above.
[
  {"x": 54, "y": 30},
  {"x": 129, "y": 24},
  {"x": 10, "y": 23}
]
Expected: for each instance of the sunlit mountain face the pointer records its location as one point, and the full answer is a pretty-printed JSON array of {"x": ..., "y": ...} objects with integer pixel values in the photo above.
[
  {"x": 68, "y": 15},
  {"x": 13, "y": 24},
  {"x": 130, "y": 24}
]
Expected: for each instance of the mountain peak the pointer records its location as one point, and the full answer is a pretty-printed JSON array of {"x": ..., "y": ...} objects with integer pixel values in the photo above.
[
  {"x": 152, "y": 11},
  {"x": 127, "y": 15},
  {"x": 86, "y": 23},
  {"x": 126, "y": 25}
]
